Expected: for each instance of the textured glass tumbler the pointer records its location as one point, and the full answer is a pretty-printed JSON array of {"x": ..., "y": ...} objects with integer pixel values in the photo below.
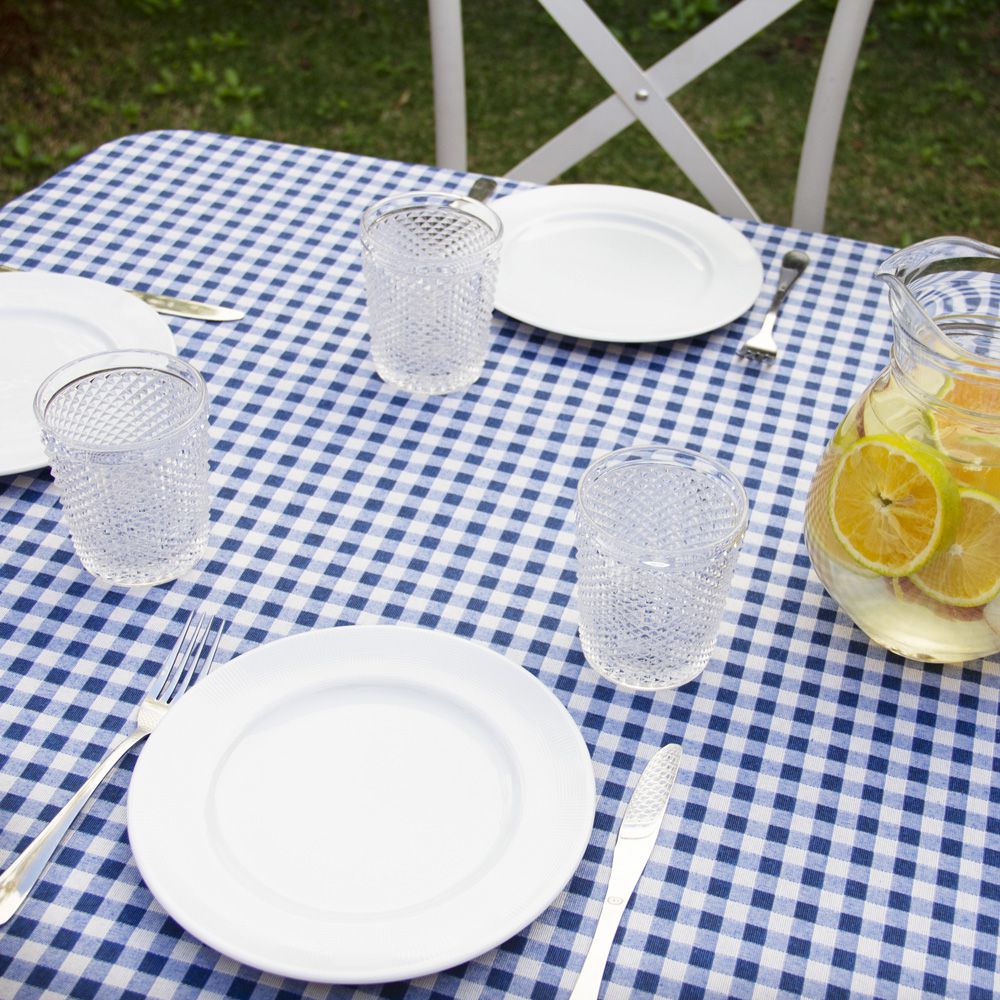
[
  {"x": 658, "y": 534},
  {"x": 431, "y": 261},
  {"x": 126, "y": 433}
]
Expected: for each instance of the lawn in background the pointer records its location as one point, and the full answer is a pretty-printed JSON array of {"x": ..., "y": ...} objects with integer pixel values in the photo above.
[{"x": 918, "y": 150}]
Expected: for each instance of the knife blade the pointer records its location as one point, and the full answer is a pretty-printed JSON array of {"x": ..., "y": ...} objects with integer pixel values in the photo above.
[
  {"x": 188, "y": 308},
  {"x": 169, "y": 306},
  {"x": 640, "y": 826}
]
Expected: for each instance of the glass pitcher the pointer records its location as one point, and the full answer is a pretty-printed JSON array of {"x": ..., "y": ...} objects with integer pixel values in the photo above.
[{"x": 903, "y": 515}]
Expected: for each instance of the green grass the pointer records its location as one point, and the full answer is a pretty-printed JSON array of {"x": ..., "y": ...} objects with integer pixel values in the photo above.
[{"x": 918, "y": 151}]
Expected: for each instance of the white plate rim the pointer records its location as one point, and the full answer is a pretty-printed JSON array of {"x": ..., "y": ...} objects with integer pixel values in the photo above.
[
  {"x": 125, "y": 320},
  {"x": 146, "y": 788},
  {"x": 719, "y": 239}
]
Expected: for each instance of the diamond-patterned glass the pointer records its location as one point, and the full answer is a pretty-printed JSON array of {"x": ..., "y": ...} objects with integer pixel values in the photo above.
[
  {"x": 658, "y": 533},
  {"x": 430, "y": 264},
  {"x": 129, "y": 453}
]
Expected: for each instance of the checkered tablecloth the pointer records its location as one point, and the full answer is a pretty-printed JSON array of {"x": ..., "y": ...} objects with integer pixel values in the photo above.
[{"x": 835, "y": 829}]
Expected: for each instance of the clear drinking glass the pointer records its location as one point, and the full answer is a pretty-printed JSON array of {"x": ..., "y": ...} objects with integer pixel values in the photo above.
[
  {"x": 430, "y": 263},
  {"x": 127, "y": 436},
  {"x": 658, "y": 533}
]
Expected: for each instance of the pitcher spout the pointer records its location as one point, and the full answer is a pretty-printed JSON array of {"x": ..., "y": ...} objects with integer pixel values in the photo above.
[{"x": 943, "y": 296}]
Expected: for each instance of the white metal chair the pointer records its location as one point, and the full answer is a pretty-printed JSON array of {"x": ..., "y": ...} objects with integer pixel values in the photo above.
[{"x": 643, "y": 95}]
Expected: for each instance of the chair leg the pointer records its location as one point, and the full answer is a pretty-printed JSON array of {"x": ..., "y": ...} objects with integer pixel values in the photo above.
[
  {"x": 826, "y": 111},
  {"x": 448, "y": 58}
]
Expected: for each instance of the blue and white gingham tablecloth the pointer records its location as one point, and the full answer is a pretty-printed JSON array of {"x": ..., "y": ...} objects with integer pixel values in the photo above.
[{"x": 835, "y": 828}]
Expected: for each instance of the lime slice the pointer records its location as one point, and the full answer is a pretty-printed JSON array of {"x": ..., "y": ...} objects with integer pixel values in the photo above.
[
  {"x": 893, "y": 503},
  {"x": 850, "y": 428},
  {"x": 966, "y": 573},
  {"x": 973, "y": 456},
  {"x": 889, "y": 408}
]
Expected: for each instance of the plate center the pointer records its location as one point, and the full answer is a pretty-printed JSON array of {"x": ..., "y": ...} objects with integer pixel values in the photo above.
[
  {"x": 363, "y": 800},
  {"x": 583, "y": 253},
  {"x": 620, "y": 265}
]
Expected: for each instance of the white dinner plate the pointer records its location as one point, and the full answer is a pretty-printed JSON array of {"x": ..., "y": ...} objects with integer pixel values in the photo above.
[
  {"x": 45, "y": 321},
  {"x": 361, "y": 804},
  {"x": 622, "y": 265}
]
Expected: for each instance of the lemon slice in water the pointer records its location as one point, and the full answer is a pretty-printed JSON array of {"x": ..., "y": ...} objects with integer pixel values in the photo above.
[
  {"x": 893, "y": 504},
  {"x": 973, "y": 449},
  {"x": 966, "y": 573}
]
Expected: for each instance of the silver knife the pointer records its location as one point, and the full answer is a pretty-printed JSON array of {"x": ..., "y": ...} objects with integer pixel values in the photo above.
[
  {"x": 482, "y": 188},
  {"x": 186, "y": 308},
  {"x": 637, "y": 835}
]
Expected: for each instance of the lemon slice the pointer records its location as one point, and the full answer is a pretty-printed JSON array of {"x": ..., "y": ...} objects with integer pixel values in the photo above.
[
  {"x": 824, "y": 545},
  {"x": 966, "y": 573},
  {"x": 973, "y": 450},
  {"x": 980, "y": 393},
  {"x": 893, "y": 503},
  {"x": 974, "y": 456}
]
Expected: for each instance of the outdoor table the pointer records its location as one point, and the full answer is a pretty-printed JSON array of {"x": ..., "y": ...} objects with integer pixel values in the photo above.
[{"x": 835, "y": 827}]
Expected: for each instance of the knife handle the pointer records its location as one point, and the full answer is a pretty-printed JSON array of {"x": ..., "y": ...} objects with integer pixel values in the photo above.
[
  {"x": 629, "y": 860},
  {"x": 588, "y": 984},
  {"x": 482, "y": 188},
  {"x": 636, "y": 840}
]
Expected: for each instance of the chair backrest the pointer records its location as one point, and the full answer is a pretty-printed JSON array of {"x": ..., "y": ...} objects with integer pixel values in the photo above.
[{"x": 643, "y": 95}]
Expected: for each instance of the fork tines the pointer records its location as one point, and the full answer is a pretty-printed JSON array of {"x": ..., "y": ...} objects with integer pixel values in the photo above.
[
  {"x": 753, "y": 352},
  {"x": 193, "y": 653}
]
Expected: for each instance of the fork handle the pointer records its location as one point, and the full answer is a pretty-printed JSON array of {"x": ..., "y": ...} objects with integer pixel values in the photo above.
[
  {"x": 787, "y": 278},
  {"x": 20, "y": 877}
]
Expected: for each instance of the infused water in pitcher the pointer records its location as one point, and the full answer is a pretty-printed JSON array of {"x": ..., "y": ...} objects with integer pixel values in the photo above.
[{"x": 903, "y": 515}]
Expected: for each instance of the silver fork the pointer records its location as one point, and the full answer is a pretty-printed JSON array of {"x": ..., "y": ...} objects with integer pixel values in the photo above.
[
  {"x": 761, "y": 346},
  {"x": 193, "y": 655}
]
